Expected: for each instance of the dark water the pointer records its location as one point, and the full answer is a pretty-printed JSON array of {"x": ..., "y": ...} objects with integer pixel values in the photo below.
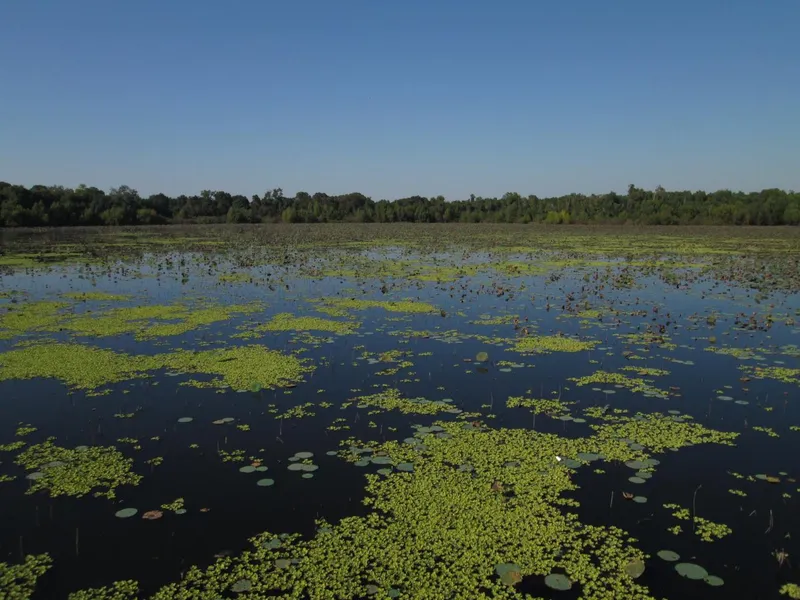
[{"x": 91, "y": 547}]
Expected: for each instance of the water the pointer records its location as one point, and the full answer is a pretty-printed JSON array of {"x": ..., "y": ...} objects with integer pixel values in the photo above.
[{"x": 91, "y": 547}]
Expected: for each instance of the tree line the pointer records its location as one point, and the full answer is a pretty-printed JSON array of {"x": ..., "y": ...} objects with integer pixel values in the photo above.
[{"x": 42, "y": 205}]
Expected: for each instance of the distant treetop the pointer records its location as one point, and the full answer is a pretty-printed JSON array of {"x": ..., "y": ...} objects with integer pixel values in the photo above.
[{"x": 60, "y": 206}]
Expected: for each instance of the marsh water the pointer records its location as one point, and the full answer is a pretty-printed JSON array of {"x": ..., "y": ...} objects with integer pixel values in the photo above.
[{"x": 699, "y": 328}]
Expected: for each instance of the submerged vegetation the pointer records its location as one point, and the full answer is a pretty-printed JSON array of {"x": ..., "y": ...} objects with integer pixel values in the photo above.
[{"x": 490, "y": 413}]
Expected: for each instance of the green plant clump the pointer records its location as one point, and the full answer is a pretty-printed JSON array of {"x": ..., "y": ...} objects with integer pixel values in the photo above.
[
  {"x": 394, "y": 546},
  {"x": 76, "y": 471},
  {"x": 17, "y": 582}
]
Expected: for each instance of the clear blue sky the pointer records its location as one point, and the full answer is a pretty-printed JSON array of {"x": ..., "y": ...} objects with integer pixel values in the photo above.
[{"x": 400, "y": 97}]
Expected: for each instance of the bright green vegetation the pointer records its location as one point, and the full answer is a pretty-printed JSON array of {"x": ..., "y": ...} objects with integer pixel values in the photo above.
[
  {"x": 634, "y": 384},
  {"x": 81, "y": 367},
  {"x": 392, "y": 399},
  {"x": 145, "y": 322},
  {"x": 120, "y": 590},
  {"x": 95, "y": 296},
  {"x": 28, "y": 317},
  {"x": 288, "y": 322},
  {"x": 393, "y": 547},
  {"x": 792, "y": 590},
  {"x": 552, "y": 343},
  {"x": 538, "y": 405},
  {"x": 18, "y": 581},
  {"x": 88, "y": 368},
  {"x": 240, "y": 368},
  {"x": 152, "y": 322},
  {"x": 706, "y": 530},
  {"x": 76, "y": 471},
  {"x": 402, "y": 306}
]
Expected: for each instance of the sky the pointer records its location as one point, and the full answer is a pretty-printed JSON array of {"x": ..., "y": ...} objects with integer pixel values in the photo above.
[{"x": 398, "y": 98}]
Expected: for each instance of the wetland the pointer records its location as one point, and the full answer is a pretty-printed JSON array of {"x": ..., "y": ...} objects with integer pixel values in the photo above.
[{"x": 426, "y": 411}]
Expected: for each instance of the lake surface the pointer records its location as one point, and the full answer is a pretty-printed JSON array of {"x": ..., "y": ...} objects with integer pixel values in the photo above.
[{"x": 487, "y": 411}]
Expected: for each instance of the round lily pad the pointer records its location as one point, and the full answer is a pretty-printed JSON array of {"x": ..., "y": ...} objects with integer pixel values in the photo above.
[
  {"x": 242, "y": 585},
  {"x": 668, "y": 555},
  {"x": 308, "y": 468},
  {"x": 405, "y": 467},
  {"x": 639, "y": 499},
  {"x": 282, "y": 563},
  {"x": 185, "y": 420},
  {"x": 691, "y": 571},
  {"x": 125, "y": 513},
  {"x": 296, "y": 467},
  {"x": 558, "y": 581},
  {"x": 247, "y": 469},
  {"x": 635, "y": 568},
  {"x": 261, "y": 469},
  {"x": 331, "y": 453},
  {"x": 643, "y": 474},
  {"x": 385, "y": 471},
  {"x": 508, "y": 573},
  {"x": 34, "y": 476},
  {"x": 180, "y": 511},
  {"x": 635, "y": 464},
  {"x": 307, "y": 475},
  {"x": 304, "y": 455},
  {"x": 636, "y": 480},
  {"x": 482, "y": 356},
  {"x": 714, "y": 581},
  {"x": 381, "y": 460},
  {"x": 361, "y": 463},
  {"x": 265, "y": 482}
]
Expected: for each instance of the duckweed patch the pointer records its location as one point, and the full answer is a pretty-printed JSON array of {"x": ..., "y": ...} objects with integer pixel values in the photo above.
[
  {"x": 76, "y": 471},
  {"x": 395, "y": 544},
  {"x": 552, "y": 343}
]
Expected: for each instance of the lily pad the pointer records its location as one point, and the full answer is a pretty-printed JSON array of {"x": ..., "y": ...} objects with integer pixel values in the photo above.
[
  {"x": 714, "y": 581},
  {"x": 265, "y": 482},
  {"x": 636, "y": 480},
  {"x": 558, "y": 581},
  {"x": 247, "y": 469},
  {"x": 635, "y": 568},
  {"x": 691, "y": 571},
  {"x": 185, "y": 420},
  {"x": 508, "y": 573},
  {"x": 125, "y": 513},
  {"x": 242, "y": 585},
  {"x": 304, "y": 455}
]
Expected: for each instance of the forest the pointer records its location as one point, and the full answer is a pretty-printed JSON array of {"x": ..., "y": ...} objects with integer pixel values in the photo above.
[{"x": 57, "y": 206}]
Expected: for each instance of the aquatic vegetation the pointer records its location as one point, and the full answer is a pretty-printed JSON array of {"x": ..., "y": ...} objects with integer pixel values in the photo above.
[
  {"x": 119, "y": 590},
  {"x": 79, "y": 366},
  {"x": 288, "y": 322},
  {"x": 239, "y": 368},
  {"x": 792, "y": 590},
  {"x": 783, "y": 374},
  {"x": 538, "y": 405},
  {"x": 29, "y": 317},
  {"x": 402, "y": 306},
  {"x": 393, "y": 546},
  {"x": 152, "y": 321},
  {"x": 18, "y": 581},
  {"x": 552, "y": 343},
  {"x": 706, "y": 530},
  {"x": 88, "y": 368},
  {"x": 96, "y": 296},
  {"x": 392, "y": 399},
  {"x": 76, "y": 471},
  {"x": 634, "y": 384},
  {"x": 658, "y": 432}
]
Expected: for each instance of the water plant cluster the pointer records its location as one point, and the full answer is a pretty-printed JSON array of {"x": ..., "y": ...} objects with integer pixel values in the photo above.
[{"x": 404, "y": 414}]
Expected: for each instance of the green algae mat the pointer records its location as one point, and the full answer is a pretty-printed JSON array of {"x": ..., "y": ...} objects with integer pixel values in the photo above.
[{"x": 423, "y": 412}]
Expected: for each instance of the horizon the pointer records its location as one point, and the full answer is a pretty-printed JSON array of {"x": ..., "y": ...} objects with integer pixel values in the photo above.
[{"x": 394, "y": 101}]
